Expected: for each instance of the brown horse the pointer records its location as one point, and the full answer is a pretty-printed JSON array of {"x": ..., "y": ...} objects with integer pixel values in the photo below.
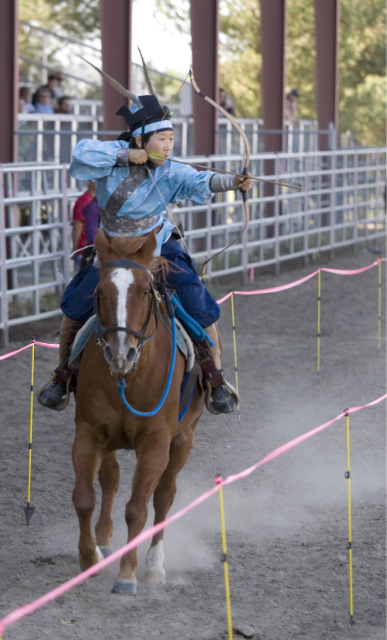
[{"x": 137, "y": 347}]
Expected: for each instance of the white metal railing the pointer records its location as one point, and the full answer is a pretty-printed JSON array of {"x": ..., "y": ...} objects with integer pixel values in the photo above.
[
  {"x": 340, "y": 201},
  {"x": 50, "y": 138}
]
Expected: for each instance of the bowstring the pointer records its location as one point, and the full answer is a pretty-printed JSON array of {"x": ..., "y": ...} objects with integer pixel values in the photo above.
[
  {"x": 150, "y": 175},
  {"x": 168, "y": 209}
]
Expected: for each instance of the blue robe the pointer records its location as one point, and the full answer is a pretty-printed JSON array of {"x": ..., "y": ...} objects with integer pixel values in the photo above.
[
  {"x": 78, "y": 299},
  {"x": 172, "y": 182}
]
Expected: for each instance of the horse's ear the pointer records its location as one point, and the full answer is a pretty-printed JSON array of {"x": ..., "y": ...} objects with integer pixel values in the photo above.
[
  {"x": 102, "y": 246},
  {"x": 149, "y": 246}
]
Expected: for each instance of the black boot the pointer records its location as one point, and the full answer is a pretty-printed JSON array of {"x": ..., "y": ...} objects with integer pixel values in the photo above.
[
  {"x": 221, "y": 397},
  {"x": 221, "y": 400},
  {"x": 55, "y": 393}
]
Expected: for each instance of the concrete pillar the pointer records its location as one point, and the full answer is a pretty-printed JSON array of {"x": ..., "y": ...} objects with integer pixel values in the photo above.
[
  {"x": 204, "y": 31},
  {"x": 116, "y": 26},
  {"x": 9, "y": 73},
  {"x": 327, "y": 21}
]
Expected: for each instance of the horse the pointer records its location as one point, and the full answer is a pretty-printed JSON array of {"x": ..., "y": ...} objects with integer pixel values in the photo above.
[{"x": 134, "y": 346}]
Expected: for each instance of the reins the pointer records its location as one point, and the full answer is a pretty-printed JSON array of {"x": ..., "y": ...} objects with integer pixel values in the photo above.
[{"x": 139, "y": 335}]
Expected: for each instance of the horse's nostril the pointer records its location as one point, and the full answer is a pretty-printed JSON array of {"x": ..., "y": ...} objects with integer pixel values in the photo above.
[
  {"x": 130, "y": 356},
  {"x": 108, "y": 353}
]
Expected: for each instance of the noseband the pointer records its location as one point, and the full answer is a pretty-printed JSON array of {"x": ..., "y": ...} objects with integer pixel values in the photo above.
[{"x": 153, "y": 309}]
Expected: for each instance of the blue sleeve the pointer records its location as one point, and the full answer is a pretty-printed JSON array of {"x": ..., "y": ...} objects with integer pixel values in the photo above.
[
  {"x": 93, "y": 159},
  {"x": 189, "y": 184}
]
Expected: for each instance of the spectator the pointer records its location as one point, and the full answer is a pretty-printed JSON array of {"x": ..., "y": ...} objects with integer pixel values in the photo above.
[
  {"x": 79, "y": 237},
  {"x": 25, "y": 104},
  {"x": 43, "y": 102},
  {"x": 64, "y": 105},
  {"x": 225, "y": 102},
  {"x": 58, "y": 89},
  {"x": 291, "y": 109},
  {"x": 51, "y": 85}
]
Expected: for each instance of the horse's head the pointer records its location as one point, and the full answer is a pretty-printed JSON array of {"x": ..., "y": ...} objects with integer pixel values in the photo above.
[{"x": 124, "y": 298}]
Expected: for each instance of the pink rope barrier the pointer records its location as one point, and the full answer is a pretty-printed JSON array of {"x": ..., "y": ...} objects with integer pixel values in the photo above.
[
  {"x": 284, "y": 287},
  {"x": 13, "y": 353},
  {"x": 47, "y": 344},
  {"x": 21, "y": 612},
  {"x": 42, "y": 344},
  {"x": 296, "y": 283}
]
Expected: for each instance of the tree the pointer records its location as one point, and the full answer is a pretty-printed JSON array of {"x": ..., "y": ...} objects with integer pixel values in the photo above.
[
  {"x": 362, "y": 60},
  {"x": 362, "y": 106},
  {"x": 72, "y": 18}
]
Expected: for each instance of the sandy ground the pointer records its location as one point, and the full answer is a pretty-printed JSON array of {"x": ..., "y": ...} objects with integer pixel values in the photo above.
[{"x": 287, "y": 523}]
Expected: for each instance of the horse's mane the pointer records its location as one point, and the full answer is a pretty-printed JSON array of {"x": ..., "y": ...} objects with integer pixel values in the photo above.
[{"x": 139, "y": 248}]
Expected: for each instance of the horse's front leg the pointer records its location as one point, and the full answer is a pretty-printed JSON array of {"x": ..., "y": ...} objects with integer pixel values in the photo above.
[
  {"x": 86, "y": 462},
  {"x": 151, "y": 463},
  {"x": 163, "y": 500},
  {"x": 109, "y": 479}
]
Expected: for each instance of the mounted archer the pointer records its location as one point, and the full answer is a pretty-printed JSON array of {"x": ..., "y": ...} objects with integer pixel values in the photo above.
[{"x": 133, "y": 190}]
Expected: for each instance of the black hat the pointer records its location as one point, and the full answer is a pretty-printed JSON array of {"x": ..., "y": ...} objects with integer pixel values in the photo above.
[{"x": 151, "y": 116}]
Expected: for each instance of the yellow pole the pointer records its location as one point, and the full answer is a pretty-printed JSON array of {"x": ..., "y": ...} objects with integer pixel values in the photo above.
[
  {"x": 30, "y": 509},
  {"x": 318, "y": 319},
  {"x": 224, "y": 560},
  {"x": 348, "y": 476},
  {"x": 380, "y": 304},
  {"x": 235, "y": 353}
]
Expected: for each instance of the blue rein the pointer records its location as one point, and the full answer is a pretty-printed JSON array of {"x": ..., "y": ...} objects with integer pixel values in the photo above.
[{"x": 121, "y": 384}]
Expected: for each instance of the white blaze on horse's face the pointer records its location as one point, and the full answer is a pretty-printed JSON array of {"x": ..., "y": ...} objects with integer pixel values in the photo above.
[{"x": 121, "y": 363}]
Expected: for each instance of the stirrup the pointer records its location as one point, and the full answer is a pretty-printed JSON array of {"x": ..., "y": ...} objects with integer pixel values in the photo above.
[
  {"x": 222, "y": 398},
  {"x": 58, "y": 396}
]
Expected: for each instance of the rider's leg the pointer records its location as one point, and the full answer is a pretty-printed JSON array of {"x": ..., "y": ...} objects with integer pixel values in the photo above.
[
  {"x": 77, "y": 306},
  {"x": 222, "y": 397},
  {"x": 55, "y": 393}
]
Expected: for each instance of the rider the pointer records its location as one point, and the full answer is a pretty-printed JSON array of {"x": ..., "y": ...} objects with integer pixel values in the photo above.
[{"x": 133, "y": 191}]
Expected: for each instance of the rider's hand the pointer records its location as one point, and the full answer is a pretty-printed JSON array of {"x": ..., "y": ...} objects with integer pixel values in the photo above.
[
  {"x": 244, "y": 182},
  {"x": 138, "y": 156}
]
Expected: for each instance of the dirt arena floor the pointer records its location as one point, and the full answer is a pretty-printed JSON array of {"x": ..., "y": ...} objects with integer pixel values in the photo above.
[{"x": 287, "y": 523}]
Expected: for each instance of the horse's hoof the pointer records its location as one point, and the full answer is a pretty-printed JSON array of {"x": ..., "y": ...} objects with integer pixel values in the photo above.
[
  {"x": 106, "y": 551},
  {"x": 155, "y": 578},
  {"x": 125, "y": 587}
]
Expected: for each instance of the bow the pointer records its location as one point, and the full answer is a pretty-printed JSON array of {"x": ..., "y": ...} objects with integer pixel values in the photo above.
[{"x": 244, "y": 168}]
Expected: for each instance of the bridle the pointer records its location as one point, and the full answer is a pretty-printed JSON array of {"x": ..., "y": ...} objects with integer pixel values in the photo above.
[{"x": 153, "y": 308}]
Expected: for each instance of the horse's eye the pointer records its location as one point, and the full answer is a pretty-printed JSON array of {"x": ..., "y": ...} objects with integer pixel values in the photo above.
[{"x": 145, "y": 293}]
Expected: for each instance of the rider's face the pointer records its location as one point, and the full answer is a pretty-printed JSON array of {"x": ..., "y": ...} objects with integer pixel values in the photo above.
[{"x": 162, "y": 143}]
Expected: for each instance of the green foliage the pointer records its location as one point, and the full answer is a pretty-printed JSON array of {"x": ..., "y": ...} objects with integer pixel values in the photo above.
[
  {"x": 167, "y": 89},
  {"x": 362, "y": 105},
  {"x": 362, "y": 53},
  {"x": 300, "y": 56},
  {"x": 74, "y": 18},
  {"x": 240, "y": 57},
  {"x": 78, "y": 19},
  {"x": 362, "y": 59}
]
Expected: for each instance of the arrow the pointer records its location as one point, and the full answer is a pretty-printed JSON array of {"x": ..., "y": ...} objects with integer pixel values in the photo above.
[{"x": 158, "y": 156}]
